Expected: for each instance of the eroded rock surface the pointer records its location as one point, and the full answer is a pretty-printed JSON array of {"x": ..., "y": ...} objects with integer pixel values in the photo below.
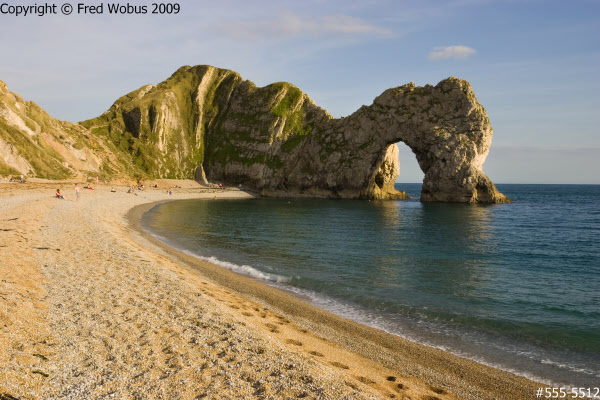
[
  {"x": 209, "y": 122},
  {"x": 212, "y": 125},
  {"x": 445, "y": 127}
]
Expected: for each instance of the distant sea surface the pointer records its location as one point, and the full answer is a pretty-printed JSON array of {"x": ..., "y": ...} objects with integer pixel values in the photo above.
[{"x": 515, "y": 286}]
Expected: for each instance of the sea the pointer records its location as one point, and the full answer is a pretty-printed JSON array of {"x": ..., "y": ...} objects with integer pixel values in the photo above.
[{"x": 514, "y": 286}]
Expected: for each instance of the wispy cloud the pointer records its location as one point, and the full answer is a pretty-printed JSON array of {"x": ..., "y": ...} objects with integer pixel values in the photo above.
[
  {"x": 289, "y": 25},
  {"x": 447, "y": 52}
]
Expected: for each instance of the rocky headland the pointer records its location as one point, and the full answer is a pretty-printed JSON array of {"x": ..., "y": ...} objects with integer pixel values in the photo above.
[{"x": 212, "y": 125}]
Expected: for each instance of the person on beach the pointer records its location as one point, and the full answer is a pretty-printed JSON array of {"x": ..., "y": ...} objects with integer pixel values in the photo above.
[
  {"x": 22, "y": 179},
  {"x": 96, "y": 180},
  {"x": 77, "y": 190},
  {"x": 59, "y": 195}
]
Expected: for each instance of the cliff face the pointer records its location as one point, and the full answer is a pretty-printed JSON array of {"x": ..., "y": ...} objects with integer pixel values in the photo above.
[
  {"x": 164, "y": 126},
  {"x": 33, "y": 143},
  {"x": 210, "y": 123}
]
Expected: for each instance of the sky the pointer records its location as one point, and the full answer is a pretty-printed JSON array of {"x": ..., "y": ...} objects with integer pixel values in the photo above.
[{"x": 534, "y": 65}]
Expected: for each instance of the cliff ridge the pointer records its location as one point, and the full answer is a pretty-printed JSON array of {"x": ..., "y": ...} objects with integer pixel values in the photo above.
[{"x": 211, "y": 124}]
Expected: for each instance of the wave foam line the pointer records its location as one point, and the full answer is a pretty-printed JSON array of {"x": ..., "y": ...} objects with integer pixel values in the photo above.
[
  {"x": 244, "y": 269},
  {"x": 238, "y": 269}
]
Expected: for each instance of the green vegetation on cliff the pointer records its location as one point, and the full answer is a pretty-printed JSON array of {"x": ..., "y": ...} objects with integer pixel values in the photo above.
[
  {"x": 210, "y": 123},
  {"x": 204, "y": 117},
  {"x": 43, "y": 159},
  {"x": 34, "y": 144}
]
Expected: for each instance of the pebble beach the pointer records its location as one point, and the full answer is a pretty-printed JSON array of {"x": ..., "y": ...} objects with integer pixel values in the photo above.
[{"x": 92, "y": 307}]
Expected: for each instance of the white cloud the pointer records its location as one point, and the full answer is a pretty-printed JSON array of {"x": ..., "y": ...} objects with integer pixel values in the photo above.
[
  {"x": 455, "y": 52},
  {"x": 289, "y": 25}
]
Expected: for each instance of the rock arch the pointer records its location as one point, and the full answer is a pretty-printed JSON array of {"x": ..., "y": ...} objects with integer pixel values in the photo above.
[
  {"x": 445, "y": 127},
  {"x": 356, "y": 156},
  {"x": 213, "y": 124}
]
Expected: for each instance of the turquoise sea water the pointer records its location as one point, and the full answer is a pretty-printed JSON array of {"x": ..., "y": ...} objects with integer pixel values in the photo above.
[{"x": 516, "y": 286}]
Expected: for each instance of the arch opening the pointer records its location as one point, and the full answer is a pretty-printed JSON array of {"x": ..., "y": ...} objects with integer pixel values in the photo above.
[{"x": 410, "y": 171}]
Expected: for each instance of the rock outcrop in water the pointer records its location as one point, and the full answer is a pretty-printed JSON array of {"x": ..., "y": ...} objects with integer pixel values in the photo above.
[
  {"x": 212, "y": 123},
  {"x": 445, "y": 127}
]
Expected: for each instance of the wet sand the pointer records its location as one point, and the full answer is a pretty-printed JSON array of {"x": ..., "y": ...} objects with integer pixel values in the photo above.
[{"x": 92, "y": 307}]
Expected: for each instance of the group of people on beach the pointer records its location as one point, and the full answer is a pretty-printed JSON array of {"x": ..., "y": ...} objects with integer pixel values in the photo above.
[
  {"x": 132, "y": 190},
  {"x": 61, "y": 196},
  {"x": 11, "y": 179}
]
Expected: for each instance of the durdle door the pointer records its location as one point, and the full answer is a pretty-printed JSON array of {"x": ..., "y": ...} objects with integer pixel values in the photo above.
[
  {"x": 212, "y": 125},
  {"x": 445, "y": 127},
  {"x": 276, "y": 140}
]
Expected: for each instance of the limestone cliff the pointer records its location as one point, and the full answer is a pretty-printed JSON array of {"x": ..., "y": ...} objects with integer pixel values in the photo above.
[
  {"x": 34, "y": 144},
  {"x": 212, "y": 124}
]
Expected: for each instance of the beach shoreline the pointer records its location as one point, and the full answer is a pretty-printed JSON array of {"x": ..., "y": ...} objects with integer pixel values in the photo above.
[{"x": 332, "y": 356}]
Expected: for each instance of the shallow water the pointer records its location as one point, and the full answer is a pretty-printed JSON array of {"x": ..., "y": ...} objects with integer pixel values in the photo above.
[{"x": 511, "y": 285}]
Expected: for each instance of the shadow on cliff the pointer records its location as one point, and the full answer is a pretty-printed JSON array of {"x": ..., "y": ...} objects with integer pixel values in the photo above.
[{"x": 211, "y": 124}]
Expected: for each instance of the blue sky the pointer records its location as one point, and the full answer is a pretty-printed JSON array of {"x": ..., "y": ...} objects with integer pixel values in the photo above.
[{"x": 534, "y": 65}]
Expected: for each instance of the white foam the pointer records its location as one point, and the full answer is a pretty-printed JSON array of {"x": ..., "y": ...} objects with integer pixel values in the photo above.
[
  {"x": 245, "y": 270},
  {"x": 567, "y": 366}
]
